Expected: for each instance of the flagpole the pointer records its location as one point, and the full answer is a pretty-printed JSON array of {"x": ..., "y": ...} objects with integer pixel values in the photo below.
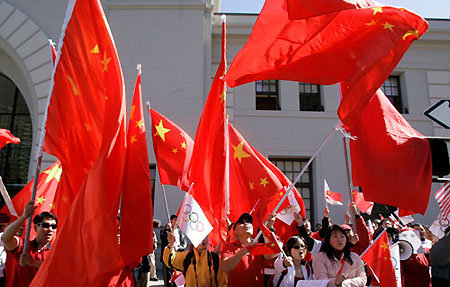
[
  {"x": 322, "y": 144},
  {"x": 344, "y": 138},
  {"x": 227, "y": 168},
  {"x": 162, "y": 185}
]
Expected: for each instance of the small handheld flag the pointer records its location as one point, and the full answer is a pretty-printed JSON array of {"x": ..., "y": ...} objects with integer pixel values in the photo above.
[{"x": 331, "y": 197}]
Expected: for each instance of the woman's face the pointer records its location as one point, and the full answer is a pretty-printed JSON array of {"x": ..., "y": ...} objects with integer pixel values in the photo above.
[
  {"x": 338, "y": 240},
  {"x": 298, "y": 251}
]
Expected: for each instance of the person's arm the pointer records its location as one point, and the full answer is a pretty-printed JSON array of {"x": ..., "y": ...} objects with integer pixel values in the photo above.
[
  {"x": 358, "y": 277},
  {"x": 325, "y": 230},
  {"x": 229, "y": 263},
  {"x": 361, "y": 228},
  {"x": 9, "y": 239},
  {"x": 302, "y": 231}
]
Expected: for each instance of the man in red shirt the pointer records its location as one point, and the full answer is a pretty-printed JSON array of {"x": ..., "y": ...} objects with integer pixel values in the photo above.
[
  {"x": 45, "y": 225},
  {"x": 243, "y": 268}
]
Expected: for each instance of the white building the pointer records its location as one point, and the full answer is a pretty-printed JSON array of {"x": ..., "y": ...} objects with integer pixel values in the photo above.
[{"x": 178, "y": 44}]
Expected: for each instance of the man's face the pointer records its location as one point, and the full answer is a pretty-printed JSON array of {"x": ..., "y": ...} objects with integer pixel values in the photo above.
[
  {"x": 174, "y": 222},
  {"x": 243, "y": 227},
  {"x": 45, "y": 230}
]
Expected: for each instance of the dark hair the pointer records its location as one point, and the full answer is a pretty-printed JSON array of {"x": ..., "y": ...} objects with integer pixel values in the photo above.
[
  {"x": 38, "y": 218},
  {"x": 291, "y": 242},
  {"x": 173, "y": 216},
  {"x": 329, "y": 250}
]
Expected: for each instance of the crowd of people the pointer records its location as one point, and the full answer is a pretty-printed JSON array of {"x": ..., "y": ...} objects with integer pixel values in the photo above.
[{"x": 329, "y": 256}]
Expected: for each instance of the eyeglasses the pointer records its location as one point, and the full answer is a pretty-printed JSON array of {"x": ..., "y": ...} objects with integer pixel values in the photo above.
[
  {"x": 47, "y": 225},
  {"x": 297, "y": 247}
]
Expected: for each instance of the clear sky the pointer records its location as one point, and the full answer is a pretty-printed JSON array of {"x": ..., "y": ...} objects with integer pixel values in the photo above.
[{"x": 425, "y": 8}]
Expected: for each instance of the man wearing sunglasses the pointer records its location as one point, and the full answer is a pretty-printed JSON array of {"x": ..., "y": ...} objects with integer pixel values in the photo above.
[{"x": 45, "y": 225}]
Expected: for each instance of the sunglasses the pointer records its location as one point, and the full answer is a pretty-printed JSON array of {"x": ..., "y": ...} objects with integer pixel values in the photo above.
[
  {"x": 47, "y": 225},
  {"x": 296, "y": 247}
]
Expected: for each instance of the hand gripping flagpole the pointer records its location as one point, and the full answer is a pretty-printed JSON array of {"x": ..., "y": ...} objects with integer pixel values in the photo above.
[{"x": 322, "y": 144}]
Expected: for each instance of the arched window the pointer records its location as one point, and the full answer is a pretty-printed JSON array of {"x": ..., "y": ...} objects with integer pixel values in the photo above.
[{"x": 14, "y": 116}]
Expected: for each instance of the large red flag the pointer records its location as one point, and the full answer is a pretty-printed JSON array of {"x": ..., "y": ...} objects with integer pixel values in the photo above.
[
  {"x": 7, "y": 137},
  {"x": 47, "y": 184},
  {"x": 378, "y": 257},
  {"x": 136, "y": 213},
  {"x": 255, "y": 182},
  {"x": 207, "y": 169},
  {"x": 390, "y": 160},
  {"x": 86, "y": 131},
  {"x": 358, "y": 48},
  {"x": 173, "y": 151}
]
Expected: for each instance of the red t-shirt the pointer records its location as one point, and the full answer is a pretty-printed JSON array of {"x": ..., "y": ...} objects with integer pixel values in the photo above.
[
  {"x": 25, "y": 274},
  {"x": 249, "y": 271}
]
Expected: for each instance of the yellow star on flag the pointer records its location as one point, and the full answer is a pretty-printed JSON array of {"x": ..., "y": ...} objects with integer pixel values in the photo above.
[
  {"x": 40, "y": 199},
  {"x": 371, "y": 23},
  {"x": 385, "y": 246},
  {"x": 133, "y": 139},
  {"x": 105, "y": 62},
  {"x": 140, "y": 123},
  {"x": 54, "y": 173},
  {"x": 65, "y": 199},
  {"x": 182, "y": 135},
  {"x": 264, "y": 181},
  {"x": 388, "y": 26},
  {"x": 411, "y": 32},
  {"x": 252, "y": 185},
  {"x": 95, "y": 50},
  {"x": 74, "y": 87},
  {"x": 377, "y": 9},
  {"x": 223, "y": 96},
  {"x": 183, "y": 145},
  {"x": 88, "y": 127},
  {"x": 239, "y": 152},
  {"x": 175, "y": 150},
  {"x": 161, "y": 131}
]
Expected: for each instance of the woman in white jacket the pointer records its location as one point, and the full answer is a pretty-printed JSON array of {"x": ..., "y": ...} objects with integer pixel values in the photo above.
[
  {"x": 336, "y": 263},
  {"x": 289, "y": 270}
]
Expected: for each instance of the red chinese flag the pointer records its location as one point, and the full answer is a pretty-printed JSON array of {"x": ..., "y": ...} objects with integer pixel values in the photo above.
[
  {"x": 86, "y": 131},
  {"x": 7, "y": 137},
  {"x": 361, "y": 203},
  {"x": 378, "y": 257},
  {"x": 136, "y": 213},
  {"x": 47, "y": 184},
  {"x": 300, "y": 9},
  {"x": 358, "y": 48},
  {"x": 255, "y": 181},
  {"x": 271, "y": 247},
  {"x": 390, "y": 160},
  {"x": 207, "y": 169},
  {"x": 173, "y": 151}
]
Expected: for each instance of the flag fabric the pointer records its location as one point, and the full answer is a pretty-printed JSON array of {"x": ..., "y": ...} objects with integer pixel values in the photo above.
[
  {"x": 8, "y": 202},
  {"x": 362, "y": 45},
  {"x": 298, "y": 10},
  {"x": 178, "y": 278},
  {"x": 54, "y": 52},
  {"x": 254, "y": 178},
  {"x": 207, "y": 168},
  {"x": 136, "y": 212},
  {"x": 391, "y": 161},
  {"x": 7, "y": 137},
  {"x": 443, "y": 198},
  {"x": 48, "y": 181},
  {"x": 192, "y": 220},
  {"x": 378, "y": 257},
  {"x": 331, "y": 197},
  {"x": 439, "y": 225},
  {"x": 173, "y": 151},
  {"x": 361, "y": 203},
  {"x": 271, "y": 247},
  {"x": 86, "y": 131}
]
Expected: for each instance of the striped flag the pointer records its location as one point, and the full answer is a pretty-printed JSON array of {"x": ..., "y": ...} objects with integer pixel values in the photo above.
[{"x": 443, "y": 198}]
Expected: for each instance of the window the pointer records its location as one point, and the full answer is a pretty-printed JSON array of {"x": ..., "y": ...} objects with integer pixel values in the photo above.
[
  {"x": 391, "y": 89},
  {"x": 14, "y": 116},
  {"x": 291, "y": 168},
  {"x": 310, "y": 97},
  {"x": 267, "y": 95}
]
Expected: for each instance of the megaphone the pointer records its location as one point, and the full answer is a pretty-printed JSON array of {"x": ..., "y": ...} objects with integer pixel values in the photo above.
[{"x": 406, "y": 250}]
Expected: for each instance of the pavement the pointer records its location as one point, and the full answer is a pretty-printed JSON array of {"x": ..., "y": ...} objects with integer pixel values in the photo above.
[{"x": 160, "y": 282}]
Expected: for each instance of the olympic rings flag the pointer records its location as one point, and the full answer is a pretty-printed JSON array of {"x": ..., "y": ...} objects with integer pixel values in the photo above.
[
  {"x": 192, "y": 221},
  {"x": 287, "y": 214}
]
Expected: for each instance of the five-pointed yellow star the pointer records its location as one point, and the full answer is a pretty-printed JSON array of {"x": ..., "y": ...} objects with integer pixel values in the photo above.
[
  {"x": 161, "y": 131},
  {"x": 385, "y": 245},
  {"x": 74, "y": 87},
  {"x": 40, "y": 199},
  {"x": 377, "y": 9},
  {"x": 95, "y": 50},
  {"x": 371, "y": 23},
  {"x": 252, "y": 185},
  {"x": 133, "y": 139},
  {"x": 65, "y": 199},
  {"x": 88, "y": 127},
  {"x": 182, "y": 135},
  {"x": 175, "y": 150},
  {"x": 264, "y": 181},
  {"x": 183, "y": 145},
  {"x": 140, "y": 123},
  {"x": 54, "y": 173},
  {"x": 223, "y": 96},
  {"x": 239, "y": 152},
  {"x": 105, "y": 62},
  {"x": 388, "y": 26}
]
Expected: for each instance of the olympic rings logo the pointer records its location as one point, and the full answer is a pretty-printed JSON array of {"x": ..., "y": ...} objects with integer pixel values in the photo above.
[
  {"x": 193, "y": 218},
  {"x": 287, "y": 210}
]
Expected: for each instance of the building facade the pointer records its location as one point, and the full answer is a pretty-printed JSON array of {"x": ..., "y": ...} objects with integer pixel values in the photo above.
[{"x": 177, "y": 42}]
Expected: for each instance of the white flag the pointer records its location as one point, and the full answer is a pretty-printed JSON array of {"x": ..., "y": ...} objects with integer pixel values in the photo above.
[
  {"x": 331, "y": 197},
  {"x": 439, "y": 225},
  {"x": 395, "y": 254},
  {"x": 192, "y": 220},
  {"x": 7, "y": 199},
  {"x": 287, "y": 214}
]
